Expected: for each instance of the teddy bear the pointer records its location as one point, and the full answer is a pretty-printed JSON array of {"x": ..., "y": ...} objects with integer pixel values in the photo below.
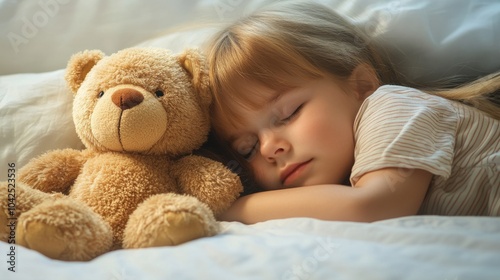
[{"x": 140, "y": 113}]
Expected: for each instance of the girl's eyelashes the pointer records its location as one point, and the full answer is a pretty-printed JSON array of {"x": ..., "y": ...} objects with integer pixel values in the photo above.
[
  {"x": 247, "y": 147},
  {"x": 292, "y": 115},
  {"x": 249, "y": 155}
]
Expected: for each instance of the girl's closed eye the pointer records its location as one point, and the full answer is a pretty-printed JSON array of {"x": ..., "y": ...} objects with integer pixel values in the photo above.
[
  {"x": 289, "y": 117},
  {"x": 251, "y": 152},
  {"x": 247, "y": 147}
]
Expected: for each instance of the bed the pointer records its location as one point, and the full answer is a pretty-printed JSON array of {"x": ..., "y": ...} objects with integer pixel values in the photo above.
[{"x": 428, "y": 40}]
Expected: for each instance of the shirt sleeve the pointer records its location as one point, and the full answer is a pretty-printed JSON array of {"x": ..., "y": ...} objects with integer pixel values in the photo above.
[{"x": 404, "y": 128}]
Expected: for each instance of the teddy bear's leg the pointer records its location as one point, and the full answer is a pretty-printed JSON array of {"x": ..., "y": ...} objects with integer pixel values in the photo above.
[
  {"x": 168, "y": 219},
  {"x": 64, "y": 229},
  {"x": 17, "y": 199}
]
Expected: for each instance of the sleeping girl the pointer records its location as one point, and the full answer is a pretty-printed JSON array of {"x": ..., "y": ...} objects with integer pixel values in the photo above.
[{"x": 330, "y": 130}]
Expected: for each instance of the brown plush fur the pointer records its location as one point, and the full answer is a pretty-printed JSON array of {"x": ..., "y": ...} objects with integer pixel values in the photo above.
[{"x": 140, "y": 113}]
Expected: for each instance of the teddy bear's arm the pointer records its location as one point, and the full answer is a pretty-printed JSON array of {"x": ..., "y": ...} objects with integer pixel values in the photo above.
[
  {"x": 209, "y": 181},
  {"x": 54, "y": 171}
]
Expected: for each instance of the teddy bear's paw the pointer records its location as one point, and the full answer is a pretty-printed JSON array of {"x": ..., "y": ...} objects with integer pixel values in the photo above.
[
  {"x": 64, "y": 230},
  {"x": 181, "y": 227},
  {"x": 168, "y": 219},
  {"x": 18, "y": 199},
  {"x": 7, "y": 230}
]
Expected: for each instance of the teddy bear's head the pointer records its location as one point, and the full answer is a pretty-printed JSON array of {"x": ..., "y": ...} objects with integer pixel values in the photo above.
[{"x": 140, "y": 100}]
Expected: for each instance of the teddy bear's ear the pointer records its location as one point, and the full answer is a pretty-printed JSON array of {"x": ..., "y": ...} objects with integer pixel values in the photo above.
[
  {"x": 79, "y": 66},
  {"x": 196, "y": 65}
]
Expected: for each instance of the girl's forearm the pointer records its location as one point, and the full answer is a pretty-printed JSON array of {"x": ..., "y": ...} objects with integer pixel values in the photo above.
[
  {"x": 326, "y": 202},
  {"x": 378, "y": 195}
]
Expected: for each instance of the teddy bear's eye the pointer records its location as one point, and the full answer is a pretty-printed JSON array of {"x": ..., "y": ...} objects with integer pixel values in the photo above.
[
  {"x": 100, "y": 94},
  {"x": 159, "y": 93}
]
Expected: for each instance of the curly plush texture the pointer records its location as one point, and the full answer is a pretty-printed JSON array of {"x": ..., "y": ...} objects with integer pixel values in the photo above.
[{"x": 140, "y": 113}]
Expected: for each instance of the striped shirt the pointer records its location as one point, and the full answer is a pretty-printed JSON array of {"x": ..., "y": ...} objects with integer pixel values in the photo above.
[{"x": 408, "y": 129}]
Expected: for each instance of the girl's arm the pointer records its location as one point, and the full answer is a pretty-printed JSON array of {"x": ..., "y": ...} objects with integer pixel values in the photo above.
[{"x": 380, "y": 194}]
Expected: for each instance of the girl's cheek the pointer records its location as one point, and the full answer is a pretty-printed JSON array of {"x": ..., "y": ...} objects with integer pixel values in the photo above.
[{"x": 309, "y": 124}]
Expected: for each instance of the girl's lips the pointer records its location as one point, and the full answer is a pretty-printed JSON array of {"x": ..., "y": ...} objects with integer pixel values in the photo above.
[{"x": 292, "y": 171}]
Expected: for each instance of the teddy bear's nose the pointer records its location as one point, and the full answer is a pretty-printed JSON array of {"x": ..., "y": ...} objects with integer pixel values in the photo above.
[{"x": 127, "y": 98}]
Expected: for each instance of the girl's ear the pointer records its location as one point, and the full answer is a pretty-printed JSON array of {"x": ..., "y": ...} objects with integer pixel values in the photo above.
[
  {"x": 364, "y": 80},
  {"x": 196, "y": 65},
  {"x": 79, "y": 65}
]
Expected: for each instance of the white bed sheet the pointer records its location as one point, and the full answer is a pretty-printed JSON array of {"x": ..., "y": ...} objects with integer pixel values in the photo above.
[{"x": 422, "y": 247}]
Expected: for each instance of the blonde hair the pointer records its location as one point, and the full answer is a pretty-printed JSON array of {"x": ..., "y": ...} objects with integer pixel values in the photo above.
[
  {"x": 482, "y": 94},
  {"x": 275, "y": 46}
]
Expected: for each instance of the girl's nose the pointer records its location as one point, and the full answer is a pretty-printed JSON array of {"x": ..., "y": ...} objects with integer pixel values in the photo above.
[{"x": 272, "y": 145}]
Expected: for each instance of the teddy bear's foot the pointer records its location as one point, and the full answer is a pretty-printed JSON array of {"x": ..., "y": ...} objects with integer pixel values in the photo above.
[
  {"x": 64, "y": 230},
  {"x": 17, "y": 199},
  {"x": 168, "y": 219}
]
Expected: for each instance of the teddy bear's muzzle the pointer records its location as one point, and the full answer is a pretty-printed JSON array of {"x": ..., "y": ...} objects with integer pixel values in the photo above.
[
  {"x": 127, "y": 98},
  {"x": 128, "y": 118}
]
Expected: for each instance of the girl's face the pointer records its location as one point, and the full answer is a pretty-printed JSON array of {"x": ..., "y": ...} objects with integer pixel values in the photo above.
[{"x": 303, "y": 136}]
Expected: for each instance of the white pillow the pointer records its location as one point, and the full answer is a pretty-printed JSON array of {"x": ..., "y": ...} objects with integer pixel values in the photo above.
[
  {"x": 428, "y": 40},
  {"x": 434, "y": 37},
  {"x": 433, "y": 40},
  {"x": 38, "y": 36},
  {"x": 35, "y": 116}
]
